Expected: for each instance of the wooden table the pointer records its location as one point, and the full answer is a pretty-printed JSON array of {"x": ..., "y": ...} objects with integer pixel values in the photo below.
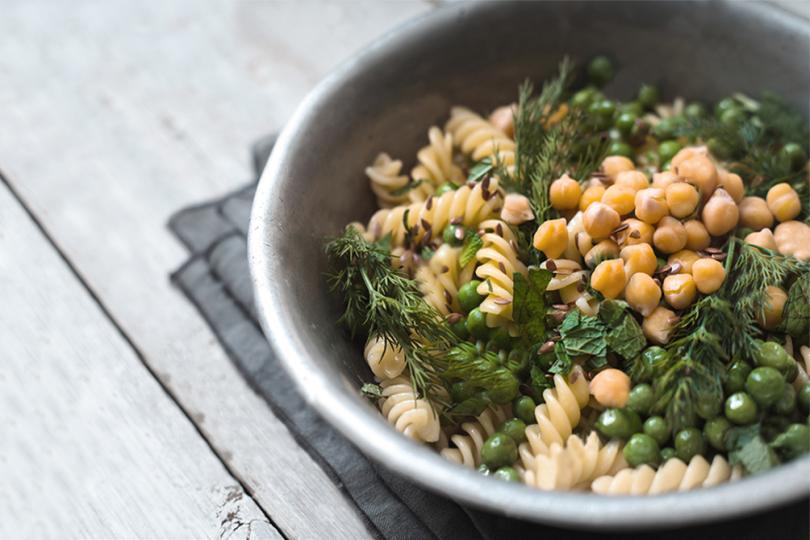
[{"x": 120, "y": 414}]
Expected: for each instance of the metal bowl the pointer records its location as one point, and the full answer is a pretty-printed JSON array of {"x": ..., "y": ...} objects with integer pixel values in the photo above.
[{"x": 386, "y": 97}]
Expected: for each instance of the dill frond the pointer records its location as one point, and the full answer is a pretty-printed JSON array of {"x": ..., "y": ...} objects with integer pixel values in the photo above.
[{"x": 381, "y": 301}]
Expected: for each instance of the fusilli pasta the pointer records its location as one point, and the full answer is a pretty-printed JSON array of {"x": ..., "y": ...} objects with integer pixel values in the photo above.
[
  {"x": 384, "y": 175},
  {"x": 408, "y": 413},
  {"x": 436, "y": 160},
  {"x": 569, "y": 279},
  {"x": 385, "y": 360},
  {"x": 674, "y": 475},
  {"x": 478, "y": 138},
  {"x": 465, "y": 447},
  {"x": 498, "y": 261},
  {"x": 440, "y": 280}
]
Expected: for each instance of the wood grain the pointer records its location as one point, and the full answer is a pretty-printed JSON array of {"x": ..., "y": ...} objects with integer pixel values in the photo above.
[
  {"x": 91, "y": 446},
  {"x": 116, "y": 114}
]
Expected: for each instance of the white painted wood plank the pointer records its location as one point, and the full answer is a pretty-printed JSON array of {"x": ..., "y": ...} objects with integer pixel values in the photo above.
[
  {"x": 91, "y": 446},
  {"x": 115, "y": 114}
]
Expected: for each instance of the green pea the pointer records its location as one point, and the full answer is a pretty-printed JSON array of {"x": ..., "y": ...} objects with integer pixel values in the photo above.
[
  {"x": 708, "y": 406},
  {"x": 715, "y": 432},
  {"x": 766, "y": 385},
  {"x": 625, "y": 123},
  {"x": 741, "y": 409},
  {"x": 641, "y": 399},
  {"x": 483, "y": 469},
  {"x": 732, "y": 117},
  {"x": 695, "y": 110},
  {"x": 444, "y": 188},
  {"x": 600, "y": 70},
  {"x": 634, "y": 107},
  {"x": 453, "y": 235},
  {"x": 667, "y": 150},
  {"x": 689, "y": 443},
  {"x": 657, "y": 428},
  {"x": 515, "y": 428},
  {"x": 459, "y": 328},
  {"x": 583, "y": 98},
  {"x": 655, "y": 357},
  {"x": 786, "y": 404},
  {"x": 468, "y": 296},
  {"x": 648, "y": 95},
  {"x": 618, "y": 423},
  {"x": 665, "y": 129},
  {"x": 641, "y": 449},
  {"x": 618, "y": 148},
  {"x": 498, "y": 451},
  {"x": 667, "y": 453},
  {"x": 719, "y": 148},
  {"x": 461, "y": 391},
  {"x": 508, "y": 474},
  {"x": 793, "y": 442},
  {"x": 724, "y": 105},
  {"x": 804, "y": 398},
  {"x": 477, "y": 324},
  {"x": 794, "y": 155},
  {"x": 736, "y": 375},
  {"x": 524, "y": 408}
]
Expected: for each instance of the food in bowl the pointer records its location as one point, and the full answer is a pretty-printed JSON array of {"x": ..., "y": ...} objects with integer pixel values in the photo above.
[{"x": 579, "y": 293}]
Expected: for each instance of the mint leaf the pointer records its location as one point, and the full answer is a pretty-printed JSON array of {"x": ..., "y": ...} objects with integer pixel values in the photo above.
[
  {"x": 583, "y": 335},
  {"x": 371, "y": 391},
  {"x": 562, "y": 365},
  {"x": 529, "y": 303},
  {"x": 472, "y": 243},
  {"x": 797, "y": 309},
  {"x": 611, "y": 312},
  {"x": 480, "y": 169},
  {"x": 747, "y": 447}
]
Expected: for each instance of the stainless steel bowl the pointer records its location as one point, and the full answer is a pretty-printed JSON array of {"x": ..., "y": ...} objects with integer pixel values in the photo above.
[{"x": 385, "y": 98}]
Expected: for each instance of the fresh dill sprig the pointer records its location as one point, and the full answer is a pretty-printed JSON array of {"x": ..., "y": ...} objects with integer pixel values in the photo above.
[
  {"x": 781, "y": 120},
  {"x": 383, "y": 302}
]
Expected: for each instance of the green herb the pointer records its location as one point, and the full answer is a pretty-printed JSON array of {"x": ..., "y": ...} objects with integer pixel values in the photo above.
[
  {"x": 624, "y": 336},
  {"x": 371, "y": 391},
  {"x": 584, "y": 335},
  {"x": 781, "y": 120},
  {"x": 539, "y": 382},
  {"x": 747, "y": 447},
  {"x": 407, "y": 187},
  {"x": 562, "y": 364},
  {"x": 796, "y": 319},
  {"x": 472, "y": 243},
  {"x": 480, "y": 170},
  {"x": 529, "y": 303},
  {"x": 383, "y": 302}
]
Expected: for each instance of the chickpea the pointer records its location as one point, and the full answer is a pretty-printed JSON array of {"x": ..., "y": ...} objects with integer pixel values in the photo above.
[
  {"x": 685, "y": 258},
  {"x": 503, "y": 118},
  {"x": 639, "y": 258},
  {"x": 613, "y": 165},
  {"x": 688, "y": 153},
  {"x": 603, "y": 251},
  {"x": 600, "y": 220},
  {"x": 658, "y": 325},
  {"x": 697, "y": 237},
  {"x": 637, "y": 232},
  {"x": 679, "y": 290},
  {"x": 682, "y": 199},
  {"x": 596, "y": 182},
  {"x": 591, "y": 195},
  {"x": 763, "y": 239},
  {"x": 620, "y": 198},
  {"x": 651, "y": 205},
  {"x": 701, "y": 172},
  {"x": 793, "y": 238},
  {"x": 774, "y": 305},
  {"x": 670, "y": 235},
  {"x": 635, "y": 180},
  {"x": 662, "y": 179},
  {"x": 516, "y": 209},
  {"x": 608, "y": 278},
  {"x": 754, "y": 213},
  {"x": 720, "y": 213},
  {"x": 611, "y": 387},
  {"x": 708, "y": 274},
  {"x": 552, "y": 238},
  {"x": 732, "y": 183},
  {"x": 784, "y": 202},
  {"x": 642, "y": 293},
  {"x": 564, "y": 193}
]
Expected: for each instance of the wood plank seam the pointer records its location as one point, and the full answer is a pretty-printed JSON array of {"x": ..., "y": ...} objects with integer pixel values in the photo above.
[{"x": 228, "y": 517}]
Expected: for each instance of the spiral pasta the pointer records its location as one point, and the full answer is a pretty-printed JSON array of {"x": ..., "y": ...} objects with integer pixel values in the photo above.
[
  {"x": 408, "y": 413},
  {"x": 557, "y": 417},
  {"x": 478, "y": 138},
  {"x": 385, "y": 360},
  {"x": 440, "y": 280},
  {"x": 436, "y": 160},
  {"x": 384, "y": 175},
  {"x": 674, "y": 475},
  {"x": 465, "y": 448},
  {"x": 498, "y": 261},
  {"x": 575, "y": 465},
  {"x": 467, "y": 205},
  {"x": 569, "y": 278}
]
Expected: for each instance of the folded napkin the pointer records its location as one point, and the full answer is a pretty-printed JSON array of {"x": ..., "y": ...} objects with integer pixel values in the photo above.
[{"x": 216, "y": 280}]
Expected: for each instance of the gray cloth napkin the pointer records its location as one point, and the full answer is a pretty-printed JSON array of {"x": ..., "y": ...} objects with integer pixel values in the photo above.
[{"x": 216, "y": 280}]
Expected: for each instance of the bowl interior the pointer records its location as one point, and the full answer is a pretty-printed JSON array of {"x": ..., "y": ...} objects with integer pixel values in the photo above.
[{"x": 385, "y": 100}]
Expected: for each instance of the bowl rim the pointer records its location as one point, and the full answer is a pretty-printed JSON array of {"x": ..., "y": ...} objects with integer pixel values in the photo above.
[{"x": 417, "y": 462}]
